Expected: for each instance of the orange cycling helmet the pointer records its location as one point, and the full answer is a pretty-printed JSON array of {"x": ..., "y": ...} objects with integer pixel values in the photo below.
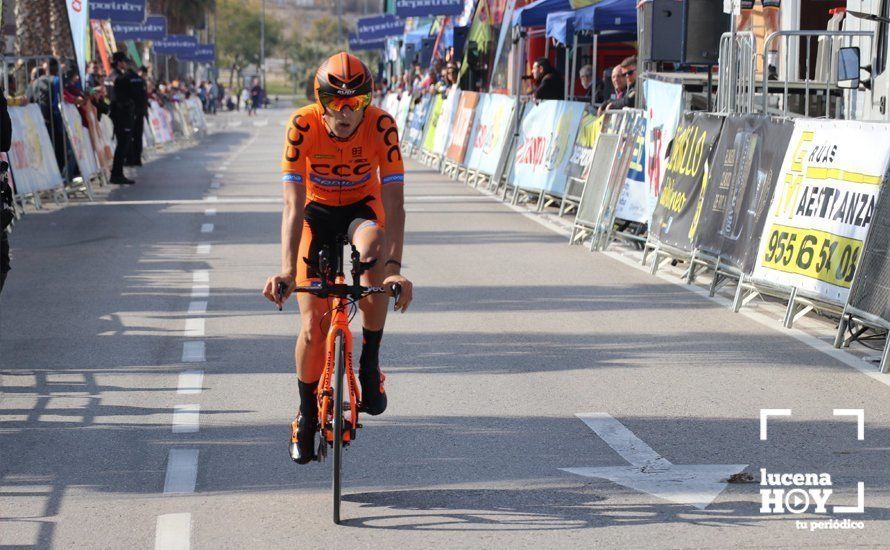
[{"x": 343, "y": 80}]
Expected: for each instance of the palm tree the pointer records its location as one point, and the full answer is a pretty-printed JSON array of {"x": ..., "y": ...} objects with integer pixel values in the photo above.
[
  {"x": 60, "y": 33},
  {"x": 32, "y": 27}
]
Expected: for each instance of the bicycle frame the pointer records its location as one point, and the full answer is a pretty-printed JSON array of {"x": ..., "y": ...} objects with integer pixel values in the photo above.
[{"x": 339, "y": 325}]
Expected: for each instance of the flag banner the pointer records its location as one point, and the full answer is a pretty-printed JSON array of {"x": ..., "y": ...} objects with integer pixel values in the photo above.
[
  {"x": 118, "y": 11},
  {"x": 31, "y": 154},
  {"x": 491, "y": 131},
  {"x": 463, "y": 124},
  {"x": 545, "y": 146},
  {"x": 633, "y": 201},
  {"x": 79, "y": 21},
  {"x": 153, "y": 28},
  {"x": 380, "y": 27},
  {"x": 823, "y": 205},
  {"x": 747, "y": 163},
  {"x": 425, "y": 8},
  {"x": 664, "y": 107},
  {"x": 679, "y": 206},
  {"x": 358, "y": 45}
]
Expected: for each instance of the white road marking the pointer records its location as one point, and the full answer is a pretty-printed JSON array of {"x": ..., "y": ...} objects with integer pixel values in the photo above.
[
  {"x": 186, "y": 419},
  {"x": 203, "y": 248},
  {"x": 214, "y": 185},
  {"x": 193, "y": 352},
  {"x": 201, "y": 276},
  {"x": 197, "y": 308},
  {"x": 277, "y": 200},
  {"x": 182, "y": 471},
  {"x": 194, "y": 328},
  {"x": 210, "y": 212},
  {"x": 695, "y": 484},
  {"x": 218, "y": 176},
  {"x": 191, "y": 382},
  {"x": 200, "y": 291},
  {"x": 212, "y": 198},
  {"x": 173, "y": 532},
  {"x": 207, "y": 228}
]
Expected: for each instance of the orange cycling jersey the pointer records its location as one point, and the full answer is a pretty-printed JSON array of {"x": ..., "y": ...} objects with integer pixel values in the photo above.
[{"x": 338, "y": 172}]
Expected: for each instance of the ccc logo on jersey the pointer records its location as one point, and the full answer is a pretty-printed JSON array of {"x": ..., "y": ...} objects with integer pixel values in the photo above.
[
  {"x": 386, "y": 125},
  {"x": 341, "y": 170},
  {"x": 296, "y": 133}
]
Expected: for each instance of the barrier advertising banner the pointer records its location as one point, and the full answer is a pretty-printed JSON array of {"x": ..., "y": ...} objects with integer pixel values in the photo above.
[
  {"x": 402, "y": 113},
  {"x": 418, "y": 121},
  {"x": 870, "y": 292},
  {"x": 491, "y": 130},
  {"x": 544, "y": 148},
  {"x": 460, "y": 129},
  {"x": 664, "y": 107},
  {"x": 823, "y": 205},
  {"x": 633, "y": 202},
  {"x": 31, "y": 154},
  {"x": 585, "y": 141},
  {"x": 429, "y": 133},
  {"x": 101, "y": 142},
  {"x": 446, "y": 120},
  {"x": 160, "y": 122},
  {"x": 80, "y": 142},
  {"x": 677, "y": 213},
  {"x": 391, "y": 104},
  {"x": 747, "y": 162}
]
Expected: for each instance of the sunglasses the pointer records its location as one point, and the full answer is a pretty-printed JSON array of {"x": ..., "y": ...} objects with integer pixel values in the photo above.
[
  {"x": 628, "y": 73},
  {"x": 337, "y": 103}
]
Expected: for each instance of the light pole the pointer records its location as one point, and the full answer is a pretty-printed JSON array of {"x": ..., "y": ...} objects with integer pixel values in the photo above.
[{"x": 263, "y": 46}]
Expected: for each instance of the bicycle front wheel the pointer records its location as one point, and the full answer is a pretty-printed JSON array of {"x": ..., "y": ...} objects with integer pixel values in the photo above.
[{"x": 340, "y": 392}]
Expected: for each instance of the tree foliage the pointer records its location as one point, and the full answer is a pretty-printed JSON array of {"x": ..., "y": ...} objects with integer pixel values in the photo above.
[{"x": 238, "y": 43}]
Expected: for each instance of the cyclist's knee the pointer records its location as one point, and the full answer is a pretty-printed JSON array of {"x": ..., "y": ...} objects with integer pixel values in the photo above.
[
  {"x": 310, "y": 331},
  {"x": 370, "y": 242}
]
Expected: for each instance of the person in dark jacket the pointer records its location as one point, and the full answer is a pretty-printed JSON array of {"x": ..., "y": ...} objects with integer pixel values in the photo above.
[
  {"x": 548, "y": 83},
  {"x": 7, "y": 214},
  {"x": 140, "y": 93},
  {"x": 123, "y": 114},
  {"x": 46, "y": 92}
]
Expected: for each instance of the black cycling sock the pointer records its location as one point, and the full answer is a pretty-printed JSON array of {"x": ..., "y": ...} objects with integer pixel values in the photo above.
[
  {"x": 308, "y": 399},
  {"x": 370, "y": 358}
]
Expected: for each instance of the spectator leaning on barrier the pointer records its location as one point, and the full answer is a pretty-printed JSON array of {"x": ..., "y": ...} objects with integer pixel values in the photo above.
[
  {"x": 123, "y": 115},
  {"x": 7, "y": 213},
  {"x": 627, "y": 97},
  {"x": 548, "y": 83}
]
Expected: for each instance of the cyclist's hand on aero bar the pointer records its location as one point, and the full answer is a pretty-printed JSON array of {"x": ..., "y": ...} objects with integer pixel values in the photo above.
[
  {"x": 406, "y": 294},
  {"x": 270, "y": 291}
]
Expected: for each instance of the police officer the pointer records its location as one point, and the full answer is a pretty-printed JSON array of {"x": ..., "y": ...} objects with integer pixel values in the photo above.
[
  {"x": 123, "y": 114},
  {"x": 137, "y": 81}
]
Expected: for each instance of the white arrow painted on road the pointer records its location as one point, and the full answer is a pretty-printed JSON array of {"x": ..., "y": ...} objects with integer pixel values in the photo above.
[{"x": 693, "y": 484}]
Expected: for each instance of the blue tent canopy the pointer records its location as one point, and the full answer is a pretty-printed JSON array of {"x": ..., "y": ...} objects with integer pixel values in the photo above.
[
  {"x": 560, "y": 26},
  {"x": 535, "y": 14},
  {"x": 608, "y": 15}
]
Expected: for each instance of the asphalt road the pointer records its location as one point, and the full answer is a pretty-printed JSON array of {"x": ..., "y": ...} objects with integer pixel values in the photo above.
[{"x": 147, "y": 387}]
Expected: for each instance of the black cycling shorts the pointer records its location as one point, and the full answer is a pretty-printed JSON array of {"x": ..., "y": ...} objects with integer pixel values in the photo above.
[{"x": 749, "y": 4}]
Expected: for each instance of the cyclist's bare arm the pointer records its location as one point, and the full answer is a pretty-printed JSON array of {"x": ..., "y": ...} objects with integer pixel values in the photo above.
[
  {"x": 394, "y": 206},
  {"x": 291, "y": 230}
]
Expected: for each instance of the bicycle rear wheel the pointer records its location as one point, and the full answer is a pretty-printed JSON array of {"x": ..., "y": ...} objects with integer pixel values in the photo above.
[{"x": 340, "y": 392}]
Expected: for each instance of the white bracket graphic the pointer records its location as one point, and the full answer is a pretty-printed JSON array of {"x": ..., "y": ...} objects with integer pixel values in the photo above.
[
  {"x": 765, "y": 414},
  {"x": 860, "y": 420}
]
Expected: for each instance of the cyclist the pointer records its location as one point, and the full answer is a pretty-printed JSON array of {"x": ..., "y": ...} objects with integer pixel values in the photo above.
[{"x": 342, "y": 175}]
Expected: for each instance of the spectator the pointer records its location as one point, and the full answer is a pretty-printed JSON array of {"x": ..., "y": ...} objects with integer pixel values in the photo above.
[
  {"x": 47, "y": 93},
  {"x": 771, "y": 24},
  {"x": 585, "y": 75},
  {"x": 548, "y": 83},
  {"x": 256, "y": 96},
  {"x": 619, "y": 86},
  {"x": 123, "y": 115},
  {"x": 628, "y": 69},
  {"x": 140, "y": 98},
  {"x": 7, "y": 212}
]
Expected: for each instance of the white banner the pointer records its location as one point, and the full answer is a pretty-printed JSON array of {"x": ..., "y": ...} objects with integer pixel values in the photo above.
[
  {"x": 402, "y": 114},
  {"x": 664, "y": 106},
  {"x": 31, "y": 155},
  {"x": 446, "y": 120},
  {"x": 80, "y": 142},
  {"x": 160, "y": 122},
  {"x": 545, "y": 146},
  {"x": 490, "y": 132},
  {"x": 633, "y": 203},
  {"x": 79, "y": 21},
  {"x": 823, "y": 205}
]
